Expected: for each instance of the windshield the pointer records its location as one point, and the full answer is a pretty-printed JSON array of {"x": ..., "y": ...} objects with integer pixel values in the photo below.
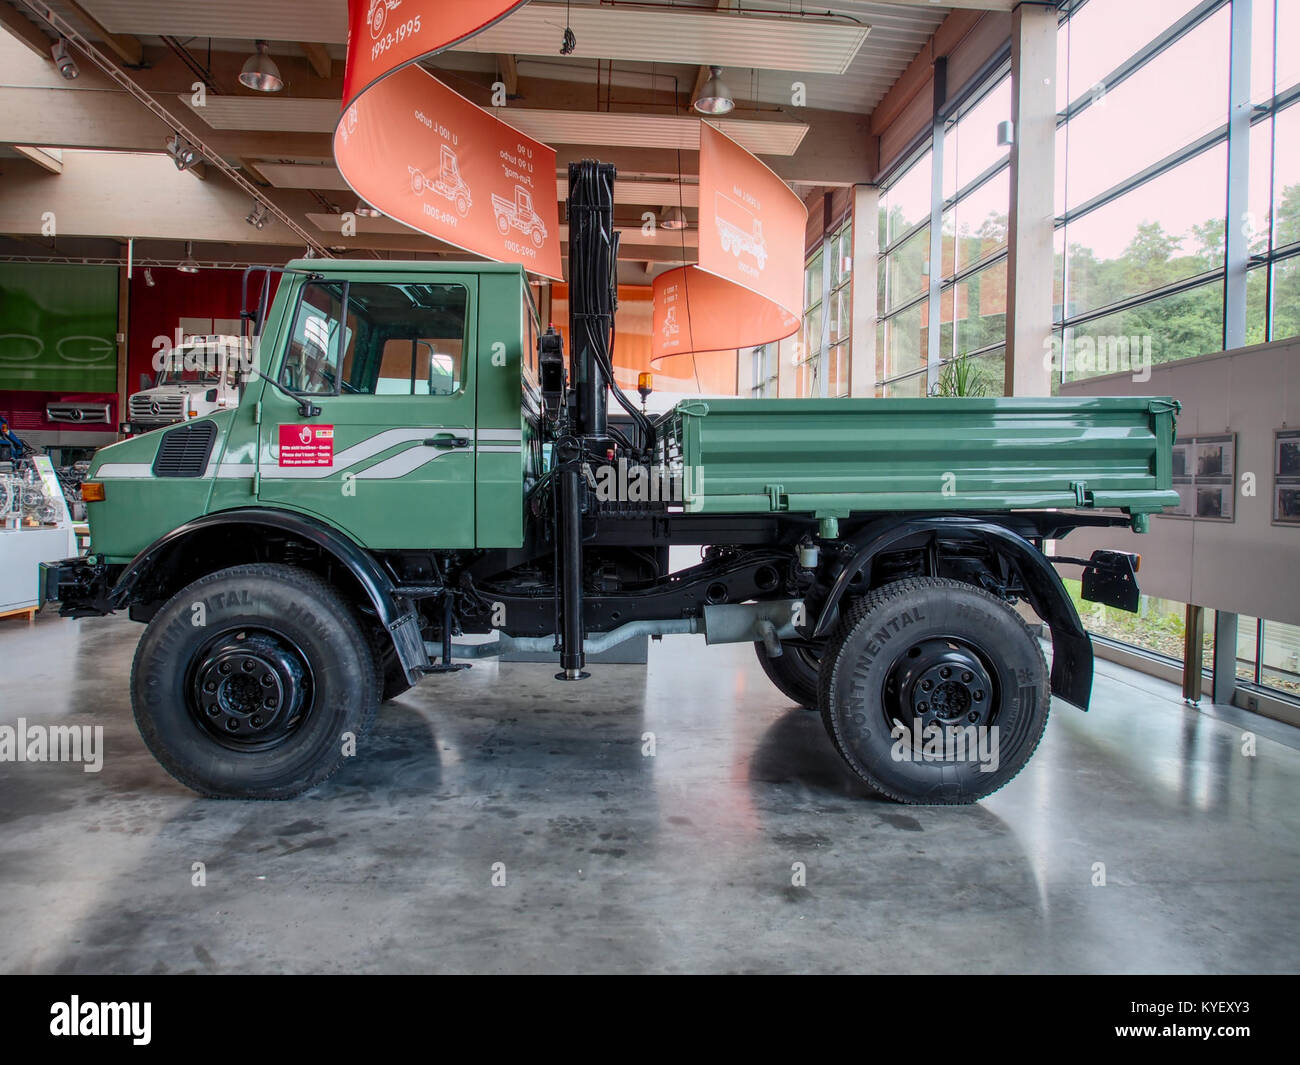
[{"x": 191, "y": 366}]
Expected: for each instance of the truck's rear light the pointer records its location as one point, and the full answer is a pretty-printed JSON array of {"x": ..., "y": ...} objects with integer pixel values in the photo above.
[{"x": 92, "y": 492}]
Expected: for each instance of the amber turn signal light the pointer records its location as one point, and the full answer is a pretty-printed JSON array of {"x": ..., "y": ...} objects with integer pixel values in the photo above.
[{"x": 92, "y": 492}]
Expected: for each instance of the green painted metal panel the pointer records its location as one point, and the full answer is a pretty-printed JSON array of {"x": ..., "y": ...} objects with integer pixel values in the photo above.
[
  {"x": 58, "y": 327},
  {"x": 834, "y": 457}
]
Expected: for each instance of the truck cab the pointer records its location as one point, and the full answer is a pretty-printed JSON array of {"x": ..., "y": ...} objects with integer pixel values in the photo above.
[{"x": 199, "y": 377}]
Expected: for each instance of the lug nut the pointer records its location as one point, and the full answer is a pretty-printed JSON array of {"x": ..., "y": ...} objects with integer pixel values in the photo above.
[
  {"x": 225, "y": 668},
  {"x": 248, "y": 666},
  {"x": 945, "y": 673},
  {"x": 972, "y": 717},
  {"x": 267, "y": 680},
  {"x": 923, "y": 707},
  {"x": 926, "y": 685},
  {"x": 210, "y": 686},
  {"x": 213, "y": 711},
  {"x": 978, "y": 696},
  {"x": 232, "y": 725},
  {"x": 257, "y": 720},
  {"x": 270, "y": 702},
  {"x": 967, "y": 677}
]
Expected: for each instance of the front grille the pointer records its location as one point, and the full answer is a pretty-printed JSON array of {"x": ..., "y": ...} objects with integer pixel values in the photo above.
[
  {"x": 168, "y": 406},
  {"x": 184, "y": 451}
]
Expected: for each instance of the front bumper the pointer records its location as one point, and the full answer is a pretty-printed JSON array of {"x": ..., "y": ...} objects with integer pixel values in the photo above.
[{"x": 81, "y": 586}]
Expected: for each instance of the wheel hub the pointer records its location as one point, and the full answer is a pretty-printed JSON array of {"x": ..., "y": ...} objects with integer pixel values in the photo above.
[
  {"x": 941, "y": 682},
  {"x": 250, "y": 690}
]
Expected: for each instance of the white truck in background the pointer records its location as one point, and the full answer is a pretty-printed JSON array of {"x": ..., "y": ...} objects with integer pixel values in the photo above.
[{"x": 199, "y": 377}]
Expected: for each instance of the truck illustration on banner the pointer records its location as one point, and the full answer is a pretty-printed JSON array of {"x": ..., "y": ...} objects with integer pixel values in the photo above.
[
  {"x": 519, "y": 214},
  {"x": 670, "y": 329},
  {"x": 448, "y": 183},
  {"x": 738, "y": 230}
]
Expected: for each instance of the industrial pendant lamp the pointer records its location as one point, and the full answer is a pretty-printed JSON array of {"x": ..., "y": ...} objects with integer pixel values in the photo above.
[
  {"x": 714, "y": 98},
  {"x": 260, "y": 71},
  {"x": 673, "y": 218},
  {"x": 189, "y": 266}
]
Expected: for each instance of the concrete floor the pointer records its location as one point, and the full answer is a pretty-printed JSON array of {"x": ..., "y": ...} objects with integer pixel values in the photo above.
[{"x": 617, "y": 862}]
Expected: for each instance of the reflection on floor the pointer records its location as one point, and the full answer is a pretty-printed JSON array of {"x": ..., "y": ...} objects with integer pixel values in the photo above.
[{"x": 616, "y": 861}]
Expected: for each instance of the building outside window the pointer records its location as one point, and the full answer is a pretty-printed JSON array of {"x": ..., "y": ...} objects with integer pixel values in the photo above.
[
  {"x": 1142, "y": 206},
  {"x": 822, "y": 358}
]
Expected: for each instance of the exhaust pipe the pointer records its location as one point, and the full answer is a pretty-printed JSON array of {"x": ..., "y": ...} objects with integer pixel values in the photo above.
[{"x": 769, "y": 623}]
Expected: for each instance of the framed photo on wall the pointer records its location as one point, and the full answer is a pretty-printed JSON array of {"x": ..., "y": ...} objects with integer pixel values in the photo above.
[
  {"x": 1205, "y": 478},
  {"x": 1286, "y": 477}
]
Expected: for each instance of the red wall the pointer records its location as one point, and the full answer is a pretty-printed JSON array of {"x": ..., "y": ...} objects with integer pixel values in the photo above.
[{"x": 157, "y": 311}]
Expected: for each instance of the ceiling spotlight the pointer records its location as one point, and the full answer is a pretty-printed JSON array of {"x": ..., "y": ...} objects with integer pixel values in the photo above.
[
  {"x": 189, "y": 266},
  {"x": 258, "y": 216},
  {"x": 365, "y": 210},
  {"x": 183, "y": 154},
  {"x": 148, "y": 277},
  {"x": 63, "y": 59},
  {"x": 714, "y": 98},
  {"x": 260, "y": 71},
  {"x": 673, "y": 218}
]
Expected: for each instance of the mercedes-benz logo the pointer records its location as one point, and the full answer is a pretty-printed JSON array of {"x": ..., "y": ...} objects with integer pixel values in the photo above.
[{"x": 155, "y": 407}]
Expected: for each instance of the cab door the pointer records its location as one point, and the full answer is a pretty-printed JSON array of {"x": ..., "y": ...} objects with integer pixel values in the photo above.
[{"x": 388, "y": 361}]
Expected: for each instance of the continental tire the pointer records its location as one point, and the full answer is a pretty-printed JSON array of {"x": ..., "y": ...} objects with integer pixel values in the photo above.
[
  {"x": 254, "y": 682},
  {"x": 931, "y": 659}
]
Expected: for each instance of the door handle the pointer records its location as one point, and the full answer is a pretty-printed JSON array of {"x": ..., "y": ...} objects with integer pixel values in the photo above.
[{"x": 447, "y": 440}]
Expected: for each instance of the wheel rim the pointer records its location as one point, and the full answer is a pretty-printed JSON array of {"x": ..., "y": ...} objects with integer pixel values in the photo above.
[
  {"x": 250, "y": 690},
  {"x": 942, "y": 681}
]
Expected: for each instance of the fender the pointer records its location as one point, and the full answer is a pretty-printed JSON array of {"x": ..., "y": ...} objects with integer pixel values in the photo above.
[
  {"x": 399, "y": 618},
  {"x": 1072, "y": 658}
]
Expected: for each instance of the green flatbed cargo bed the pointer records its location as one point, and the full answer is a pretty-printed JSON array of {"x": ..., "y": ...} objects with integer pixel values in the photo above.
[{"x": 831, "y": 458}]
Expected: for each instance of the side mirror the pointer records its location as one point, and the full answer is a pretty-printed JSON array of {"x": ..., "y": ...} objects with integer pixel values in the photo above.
[{"x": 145, "y": 382}]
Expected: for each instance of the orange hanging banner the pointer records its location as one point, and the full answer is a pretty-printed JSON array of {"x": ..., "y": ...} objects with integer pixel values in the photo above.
[
  {"x": 695, "y": 311},
  {"x": 386, "y": 34},
  {"x": 748, "y": 287},
  {"x": 429, "y": 158},
  {"x": 751, "y": 222}
]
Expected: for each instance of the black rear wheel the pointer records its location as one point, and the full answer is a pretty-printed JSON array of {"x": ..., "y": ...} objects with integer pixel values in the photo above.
[
  {"x": 794, "y": 671},
  {"x": 248, "y": 683},
  {"x": 934, "y": 691}
]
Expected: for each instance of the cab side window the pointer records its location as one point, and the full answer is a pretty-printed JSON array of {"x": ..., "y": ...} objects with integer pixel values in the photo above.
[
  {"x": 311, "y": 360},
  {"x": 378, "y": 339}
]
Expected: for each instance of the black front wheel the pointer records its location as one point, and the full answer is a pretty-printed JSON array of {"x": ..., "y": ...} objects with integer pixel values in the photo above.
[
  {"x": 254, "y": 682},
  {"x": 934, "y": 691}
]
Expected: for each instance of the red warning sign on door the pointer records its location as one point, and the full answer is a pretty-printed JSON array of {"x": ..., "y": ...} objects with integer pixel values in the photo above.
[{"x": 306, "y": 445}]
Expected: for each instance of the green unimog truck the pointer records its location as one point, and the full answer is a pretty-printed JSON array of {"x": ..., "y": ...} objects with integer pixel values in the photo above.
[{"x": 413, "y": 460}]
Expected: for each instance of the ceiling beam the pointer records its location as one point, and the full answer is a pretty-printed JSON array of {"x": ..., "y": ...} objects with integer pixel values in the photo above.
[
  {"x": 23, "y": 29},
  {"x": 127, "y": 48},
  {"x": 509, "y": 75},
  {"x": 319, "y": 58},
  {"x": 50, "y": 159}
]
